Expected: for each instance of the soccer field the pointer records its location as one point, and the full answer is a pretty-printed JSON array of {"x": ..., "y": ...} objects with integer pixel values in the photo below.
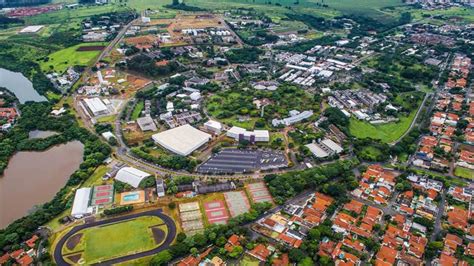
[{"x": 119, "y": 239}]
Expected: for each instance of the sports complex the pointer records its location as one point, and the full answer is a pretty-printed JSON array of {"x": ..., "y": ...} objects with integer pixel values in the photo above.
[{"x": 116, "y": 240}]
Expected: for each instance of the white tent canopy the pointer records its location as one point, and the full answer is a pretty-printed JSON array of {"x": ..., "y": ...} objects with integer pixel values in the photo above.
[
  {"x": 81, "y": 202},
  {"x": 131, "y": 176}
]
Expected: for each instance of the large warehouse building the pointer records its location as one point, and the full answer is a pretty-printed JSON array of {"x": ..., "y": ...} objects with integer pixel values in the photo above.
[
  {"x": 182, "y": 140},
  {"x": 96, "y": 106},
  {"x": 80, "y": 206},
  {"x": 131, "y": 176}
]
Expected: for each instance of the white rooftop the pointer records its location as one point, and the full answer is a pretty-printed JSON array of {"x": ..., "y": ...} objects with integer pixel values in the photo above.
[
  {"x": 81, "y": 202},
  {"x": 31, "y": 29},
  {"x": 182, "y": 140},
  {"x": 316, "y": 150},
  {"x": 96, "y": 105},
  {"x": 131, "y": 176}
]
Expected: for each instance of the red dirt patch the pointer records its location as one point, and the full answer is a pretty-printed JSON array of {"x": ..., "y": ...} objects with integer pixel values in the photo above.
[
  {"x": 158, "y": 234},
  {"x": 90, "y": 48},
  {"x": 73, "y": 241},
  {"x": 74, "y": 258}
]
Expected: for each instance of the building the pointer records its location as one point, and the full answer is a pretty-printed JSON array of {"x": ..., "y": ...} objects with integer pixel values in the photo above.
[
  {"x": 160, "y": 187},
  {"x": 80, "y": 206},
  {"x": 294, "y": 117},
  {"x": 213, "y": 126},
  {"x": 325, "y": 148},
  {"x": 240, "y": 134},
  {"x": 182, "y": 140},
  {"x": 96, "y": 106},
  {"x": 146, "y": 124},
  {"x": 108, "y": 135},
  {"x": 131, "y": 176}
]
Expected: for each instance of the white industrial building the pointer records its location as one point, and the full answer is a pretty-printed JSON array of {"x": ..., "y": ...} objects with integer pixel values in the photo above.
[
  {"x": 96, "y": 106},
  {"x": 146, "y": 124},
  {"x": 213, "y": 126},
  {"x": 239, "y": 134},
  {"x": 131, "y": 176},
  {"x": 32, "y": 29},
  {"x": 80, "y": 206},
  {"x": 182, "y": 140},
  {"x": 295, "y": 117},
  {"x": 325, "y": 148}
]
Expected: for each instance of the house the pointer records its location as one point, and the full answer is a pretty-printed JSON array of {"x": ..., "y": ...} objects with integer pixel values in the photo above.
[{"x": 260, "y": 252}]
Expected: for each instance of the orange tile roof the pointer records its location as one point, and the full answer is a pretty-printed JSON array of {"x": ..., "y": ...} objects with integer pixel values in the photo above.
[
  {"x": 386, "y": 255},
  {"x": 17, "y": 253},
  {"x": 260, "y": 252},
  {"x": 31, "y": 242},
  {"x": 25, "y": 260},
  {"x": 283, "y": 260},
  {"x": 4, "y": 258},
  {"x": 354, "y": 205}
]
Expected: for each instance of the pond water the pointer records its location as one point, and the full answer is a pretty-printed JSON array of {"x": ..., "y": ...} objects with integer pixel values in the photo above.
[
  {"x": 41, "y": 134},
  {"x": 33, "y": 178},
  {"x": 20, "y": 86}
]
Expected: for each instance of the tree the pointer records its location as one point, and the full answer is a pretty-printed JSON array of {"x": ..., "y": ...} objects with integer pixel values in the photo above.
[
  {"x": 162, "y": 258},
  {"x": 172, "y": 205},
  {"x": 296, "y": 255},
  {"x": 236, "y": 252}
]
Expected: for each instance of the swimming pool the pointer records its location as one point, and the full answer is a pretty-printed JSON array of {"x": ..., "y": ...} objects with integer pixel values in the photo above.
[{"x": 131, "y": 197}]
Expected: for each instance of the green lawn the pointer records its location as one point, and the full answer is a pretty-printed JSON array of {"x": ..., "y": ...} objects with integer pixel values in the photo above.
[
  {"x": 464, "y": 172},
  {"x": 371, "y": 152},
  {"x": 137, "y": 110},
  {"x": 386, "y": 132},
  {"x": 116, "y": 240},
  {"x": 60, "y": 60},
  {"x": 249, "y": 261}
]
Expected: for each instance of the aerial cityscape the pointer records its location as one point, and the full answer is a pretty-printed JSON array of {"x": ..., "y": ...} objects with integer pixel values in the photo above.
[{"x": 237, "y": 132}]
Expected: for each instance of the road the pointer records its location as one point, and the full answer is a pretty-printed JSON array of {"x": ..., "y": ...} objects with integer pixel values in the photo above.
[{"x": 58, "y": 257}]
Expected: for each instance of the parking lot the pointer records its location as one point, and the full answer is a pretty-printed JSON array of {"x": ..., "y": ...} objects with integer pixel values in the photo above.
[{"x": 230, "y": 161}]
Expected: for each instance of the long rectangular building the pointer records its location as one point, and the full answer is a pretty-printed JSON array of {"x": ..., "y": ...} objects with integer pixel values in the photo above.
[{"x": 239, "y": 134}]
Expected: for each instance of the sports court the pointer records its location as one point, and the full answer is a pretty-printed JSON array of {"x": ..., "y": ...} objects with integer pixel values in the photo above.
[
  {"x": 102, "y": 195},
  {"x": 237, "y": 202},
  {"x": 259, "y": 192},
  {"x": 191, "y": 218},
  {"x": 216, "y": 212}
]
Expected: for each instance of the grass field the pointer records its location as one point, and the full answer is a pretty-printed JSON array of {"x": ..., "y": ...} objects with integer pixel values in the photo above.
[
  {"x": 386, "y": 132},
  {"x": 116, "y": 240},
  {"x": 464, "y": 172},
  {"x": 60, "y": 60},
  {"x": 137, "y": 110}
]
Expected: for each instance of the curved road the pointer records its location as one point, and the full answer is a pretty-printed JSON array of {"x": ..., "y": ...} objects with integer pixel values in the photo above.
[{"x": 58, "y": 257}]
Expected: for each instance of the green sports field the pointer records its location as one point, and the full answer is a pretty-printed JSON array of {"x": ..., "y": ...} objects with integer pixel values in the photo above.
[
  {"x": 116, "y": 240},
  {"x": 464, "y": 172},
  {"x": 60, "y": 60}
]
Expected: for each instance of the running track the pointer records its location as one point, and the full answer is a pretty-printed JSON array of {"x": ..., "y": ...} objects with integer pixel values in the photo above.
[{"x": 58, "y": 257}]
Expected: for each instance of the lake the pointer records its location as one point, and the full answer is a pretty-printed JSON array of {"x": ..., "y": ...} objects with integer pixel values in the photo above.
[
  {"x": 33, "y": 178},
  {"x": 20, "y": 86}
]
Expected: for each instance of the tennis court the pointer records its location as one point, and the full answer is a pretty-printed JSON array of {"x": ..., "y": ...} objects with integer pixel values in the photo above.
[
  {"x": 102, "y": 195},
  {"x": 259, "y": 192},
  {"x": 237, "y": 202},
  {"x": 216, "y": 212}
]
